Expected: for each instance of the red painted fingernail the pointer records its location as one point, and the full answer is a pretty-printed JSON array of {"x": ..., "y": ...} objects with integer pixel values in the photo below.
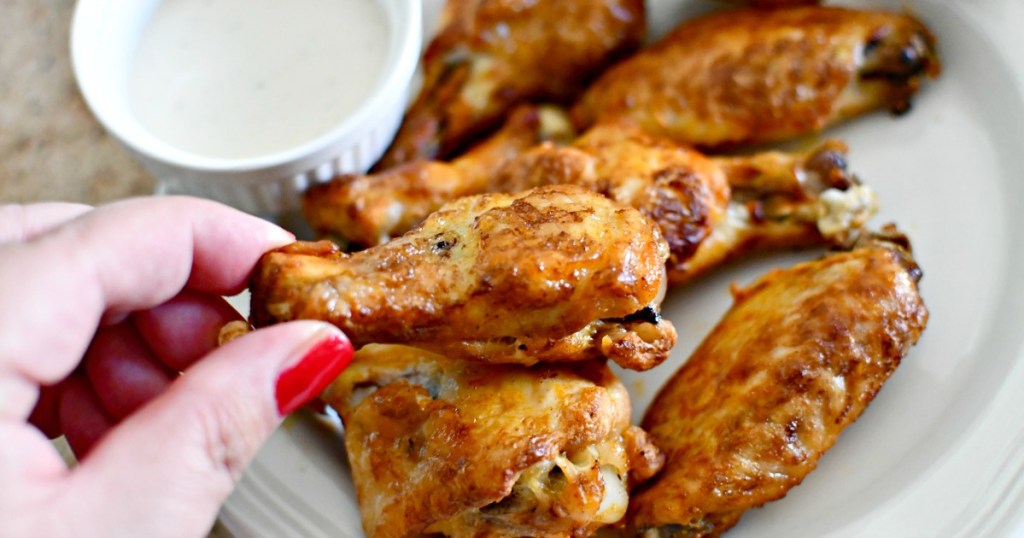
[{"x": 304, "y": 380}]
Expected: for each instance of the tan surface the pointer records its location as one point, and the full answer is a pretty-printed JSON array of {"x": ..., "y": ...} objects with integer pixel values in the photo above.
[{"x": 51, "y": 147}]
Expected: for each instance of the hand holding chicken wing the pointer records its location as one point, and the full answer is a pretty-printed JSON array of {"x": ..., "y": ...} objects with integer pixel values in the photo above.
[{"x": 557, "y": 273}]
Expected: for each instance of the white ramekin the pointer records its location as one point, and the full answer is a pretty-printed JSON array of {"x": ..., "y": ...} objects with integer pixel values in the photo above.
[{"x": 104, "y": 37}]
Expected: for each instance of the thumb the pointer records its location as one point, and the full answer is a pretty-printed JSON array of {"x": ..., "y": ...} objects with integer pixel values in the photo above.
[{"x": 178, "y": 458}]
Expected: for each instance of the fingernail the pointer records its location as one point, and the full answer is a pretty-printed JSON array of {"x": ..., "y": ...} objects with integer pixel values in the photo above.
[
  {"x": 279, "y": 236},
  {"x": 304, "y": 380}
]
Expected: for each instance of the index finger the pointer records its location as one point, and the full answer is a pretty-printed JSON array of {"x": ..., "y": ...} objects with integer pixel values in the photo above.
[
  {"x": 22, "y": 222},
  {"x": 127, "y": 256}
]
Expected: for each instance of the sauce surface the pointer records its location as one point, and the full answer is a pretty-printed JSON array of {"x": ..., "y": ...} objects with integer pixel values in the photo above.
[{"x": 243, "y": 78}]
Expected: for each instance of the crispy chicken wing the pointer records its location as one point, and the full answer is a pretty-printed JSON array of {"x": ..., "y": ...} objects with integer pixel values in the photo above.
[
  {"x": 782, "y": 200},
  {"x": 748, "y": 76},
  {"x": 369, "y": 210},
  {"x": 774, "y": 3},
  {"x": 709, "y": 209},
  {"x": 465, "y": 449},
  {"x": 492, "y": 54},
  {"x": 558, "y": 273},
  {"x": 794, "y": 362}
]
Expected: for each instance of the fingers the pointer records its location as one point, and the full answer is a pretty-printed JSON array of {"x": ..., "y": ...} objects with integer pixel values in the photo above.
[
  {"x": 178, "y": 457},
  {"x": 131, "y": 363},
  {"x": 31, "y": 471},
  {"x": 82, "y": 417},
  {"x": 122, "y": 371},
  {"x": 185, "y": 328},
  {"x": 127, "y": 256},
  {"x": 23, "y": 222},
  {"x": 46, "y": 414}
]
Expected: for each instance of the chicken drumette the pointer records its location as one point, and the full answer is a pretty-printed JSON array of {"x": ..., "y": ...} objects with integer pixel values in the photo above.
[
  {"x": 754, "y": 75},
  {"x": 368, "y": 210},
  {"x": 708, "y": 209},
  {"x": 490, "y": 55},
  {"x": 794, "y": 362},
  {"x": 462, "y": 449},
  {"x": 558, "y": 273}
]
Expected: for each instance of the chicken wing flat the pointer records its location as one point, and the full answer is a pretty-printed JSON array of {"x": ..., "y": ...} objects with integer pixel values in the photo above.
[
  {"x": 369, "y": 210},
  {"x": 754, "y": 75},
  {"x": 708, "y": 209},
  {"x": 773, "y": 3},
  {"x": 460, "y": 449},
  {"x": 490, "y": 55},
  {"x": 794, "y": 362},
  {"x": 558, "y": 273}
]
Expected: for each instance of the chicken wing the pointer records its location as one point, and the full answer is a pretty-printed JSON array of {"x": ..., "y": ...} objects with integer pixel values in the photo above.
[
  {"x": 461, "y": 449},
  {"x": 782, "y": 200},
  {"x": 368, "y": 210},
  {"x": 493, "y": 54},
  {"x": 751, "y": 76},
  {"x": 794, "y": 362},
  {"x": 557, "y": 273},
  {"x": 774, "y": 3},
  {"x": 709, "y": 209}
]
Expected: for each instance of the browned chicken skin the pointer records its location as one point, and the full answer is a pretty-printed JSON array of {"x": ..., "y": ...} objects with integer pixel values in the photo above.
[
  {"x": 773, "y": 3},
  {"x": 557, "y": 273},
  {"x": 753, "y": 76},
  {"x": 709, "y": 209},
  {"x": 369, "y": 210},
  {"x": 490, "y": 55},
  {"x": 794, "y": 362},
  {"x": 464, "y": 449}
]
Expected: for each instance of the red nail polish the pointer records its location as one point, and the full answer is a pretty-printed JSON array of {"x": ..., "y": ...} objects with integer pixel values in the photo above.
[{"x": 307, "y": 378}]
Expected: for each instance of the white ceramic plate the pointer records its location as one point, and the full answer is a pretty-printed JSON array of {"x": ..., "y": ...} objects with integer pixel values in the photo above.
[{"x": 940, "y": 452}]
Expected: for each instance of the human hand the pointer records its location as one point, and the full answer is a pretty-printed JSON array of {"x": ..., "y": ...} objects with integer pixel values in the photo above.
[{"x": 102, "y": 308}]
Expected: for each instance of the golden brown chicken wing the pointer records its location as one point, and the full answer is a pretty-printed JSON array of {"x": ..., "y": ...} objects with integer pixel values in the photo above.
[
  {"x": 753, "y": 75},
  {"x": 794, "y": 362},
  {"x": 709, "y": 209},
  {"x": 782, "y": 200},
  {"x": 465, "y": 449},
  {"x": 490, "y": 55},
  {"x": 557, "y": 273},
  {"x": 773, "y": 3},
  {"x": 369, "y": 210}
]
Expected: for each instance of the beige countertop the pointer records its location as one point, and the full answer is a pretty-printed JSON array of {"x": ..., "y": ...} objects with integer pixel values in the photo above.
[{"x": 51, "y": 147}]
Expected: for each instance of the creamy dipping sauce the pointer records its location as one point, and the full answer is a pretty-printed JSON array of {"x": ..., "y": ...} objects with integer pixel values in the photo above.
[{"x": 243, "y": 78}]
